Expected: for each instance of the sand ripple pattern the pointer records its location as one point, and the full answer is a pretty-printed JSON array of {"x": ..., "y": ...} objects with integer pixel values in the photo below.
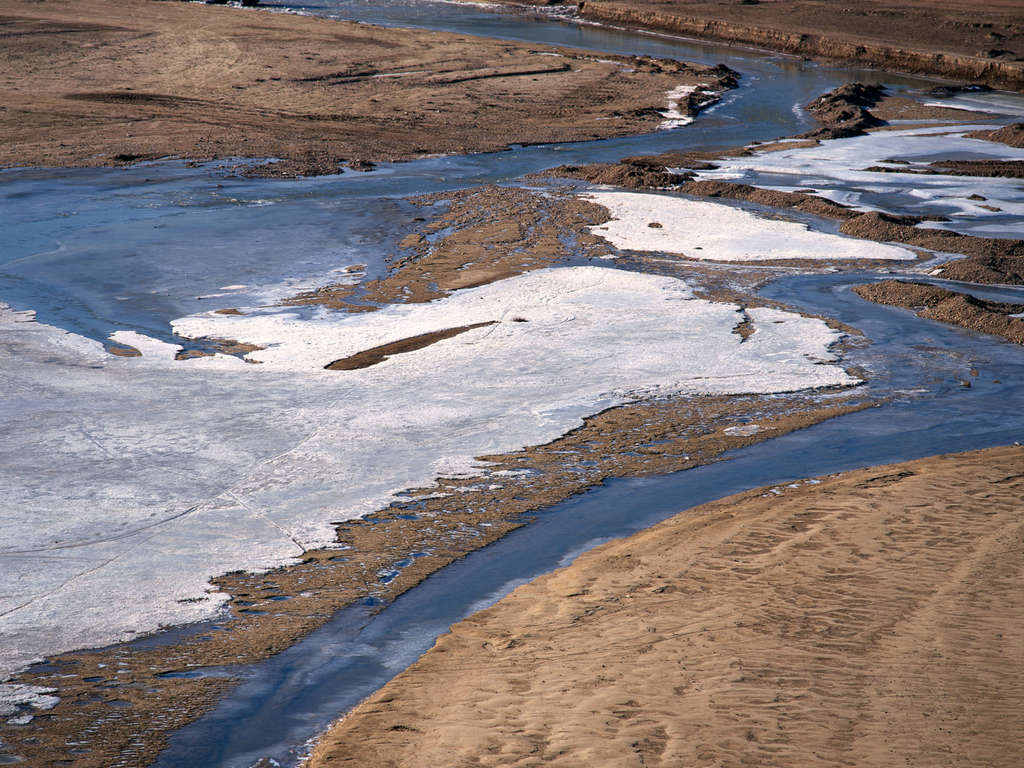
[{"x": 873, "y": 619}]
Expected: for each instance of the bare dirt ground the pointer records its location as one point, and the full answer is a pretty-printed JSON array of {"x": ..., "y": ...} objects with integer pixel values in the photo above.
[
  {"x": 103, "y": 82},
  {"x": 873, "y": 618},
  {"x": 960, "y": 39}
]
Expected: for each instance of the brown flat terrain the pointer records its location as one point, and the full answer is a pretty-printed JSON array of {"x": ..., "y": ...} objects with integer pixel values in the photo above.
[
  {"x": 961, "y": 39},
  {"x": 873, "y": 619},
  {"x": 101, "y": 82}
]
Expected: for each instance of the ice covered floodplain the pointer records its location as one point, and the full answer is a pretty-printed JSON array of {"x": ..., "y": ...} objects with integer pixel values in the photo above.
[
  {"x": 837, "y": 169},
  {"x": 140, "y": 478},
  {"x": 715, "y": 232}
]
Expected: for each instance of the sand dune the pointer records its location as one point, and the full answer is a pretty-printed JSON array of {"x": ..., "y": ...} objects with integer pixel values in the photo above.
[{"x": 873, "y": 619}]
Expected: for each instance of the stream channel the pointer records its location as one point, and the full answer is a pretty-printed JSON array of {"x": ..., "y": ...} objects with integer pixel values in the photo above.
[{"x": 98, "y": 250}]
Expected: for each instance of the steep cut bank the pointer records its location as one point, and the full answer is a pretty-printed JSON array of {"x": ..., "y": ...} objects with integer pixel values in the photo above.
[
  {"x": 871, "y": 618},
  {"x": 981, "y": 42}
]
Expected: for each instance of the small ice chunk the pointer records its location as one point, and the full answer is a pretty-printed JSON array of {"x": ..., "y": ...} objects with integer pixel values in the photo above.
[
  {"x": 147, "y": 345},
  {"x": 15, "y": 696},
  {"x": 742, "y": 430}
]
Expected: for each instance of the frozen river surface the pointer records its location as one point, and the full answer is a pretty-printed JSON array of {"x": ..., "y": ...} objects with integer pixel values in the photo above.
[{"x": 134, "y": 480}]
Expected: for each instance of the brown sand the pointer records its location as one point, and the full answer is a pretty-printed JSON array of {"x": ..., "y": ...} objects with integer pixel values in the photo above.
[
  {"x": 103, "y": 82},
  {"x": 873, "y": 619},
  {"x": 495, "y": 233},
  {"x": 953, "y": 307},
  {"x": 959, "y": 39}
]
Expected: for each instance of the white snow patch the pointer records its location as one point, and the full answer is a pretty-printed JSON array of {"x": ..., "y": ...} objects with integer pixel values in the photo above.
[
  {"x": 743, "y": 430},
  {"x": 15, "y": 696},
  {"x": 836, "y": 169},
  {"x": 147, "y": 345},
  {"x": 126, "y": 504},
  {"x": 674, "y": 118},
  {"x": 954, "y": 105},
  {"x": 716, "y": 232}
]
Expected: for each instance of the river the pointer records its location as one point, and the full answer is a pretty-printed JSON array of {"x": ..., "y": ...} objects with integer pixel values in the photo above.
[{"x": 99, "y": 250}]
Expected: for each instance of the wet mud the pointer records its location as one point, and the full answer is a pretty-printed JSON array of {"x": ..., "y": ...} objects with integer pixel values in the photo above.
[{"x": 948, "y": 306}]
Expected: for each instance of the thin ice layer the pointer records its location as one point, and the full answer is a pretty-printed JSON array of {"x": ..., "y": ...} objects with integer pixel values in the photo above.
[
  {"x": 132, "y": 481},
  {"x": 717, "y": 232},
  {"x": 837, "y": 169}
]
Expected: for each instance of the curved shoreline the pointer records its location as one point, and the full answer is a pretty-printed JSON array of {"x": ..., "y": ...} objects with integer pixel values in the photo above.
[{"x": 821, "y": 621}]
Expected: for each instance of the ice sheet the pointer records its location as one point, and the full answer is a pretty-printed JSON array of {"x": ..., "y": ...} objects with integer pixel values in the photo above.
[
  {"x": 138, "y": 479},
  {"x": 836, "y": 169},
  {"x": 703, "y": 230}
]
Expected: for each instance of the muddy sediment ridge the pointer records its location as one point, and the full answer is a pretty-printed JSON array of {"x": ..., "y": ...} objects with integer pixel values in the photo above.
[
  {"x": 484, "y": 234},
  {"x": 955, "y": 307}
]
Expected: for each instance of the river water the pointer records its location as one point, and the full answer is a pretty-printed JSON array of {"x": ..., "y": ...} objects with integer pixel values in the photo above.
[{"x": 98, "y": 250}]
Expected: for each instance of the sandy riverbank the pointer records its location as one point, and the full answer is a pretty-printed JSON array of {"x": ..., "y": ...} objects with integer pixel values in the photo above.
[
  {"x": 872, "y": 618},
  {"x": 105, "y": 82}
]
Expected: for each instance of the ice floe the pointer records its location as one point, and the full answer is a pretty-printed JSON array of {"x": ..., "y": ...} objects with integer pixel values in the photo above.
[
  {"x": 674, "y": 117},
  {"x": 716, "y": 232},
  {"x": 837, "y": 170},
  {"x": 149, "y": 347},
  {"x": 141, "y": 478},
  {"x": 16, "y": 698}
]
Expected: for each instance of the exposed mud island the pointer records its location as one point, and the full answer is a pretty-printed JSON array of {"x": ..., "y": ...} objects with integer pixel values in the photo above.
[{"x": 772, "y": 626}]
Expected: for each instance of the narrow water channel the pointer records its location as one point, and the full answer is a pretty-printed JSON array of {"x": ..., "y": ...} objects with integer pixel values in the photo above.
[{"x": 292, "y": 697}]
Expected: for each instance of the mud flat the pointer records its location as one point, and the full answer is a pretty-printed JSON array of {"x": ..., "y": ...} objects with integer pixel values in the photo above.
[
  {"x": 874, "y": 617},
  {"x": 963, "y": 40},
  {"x": 956, "y": 307},
  {"x": 102, "y": 83}
]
